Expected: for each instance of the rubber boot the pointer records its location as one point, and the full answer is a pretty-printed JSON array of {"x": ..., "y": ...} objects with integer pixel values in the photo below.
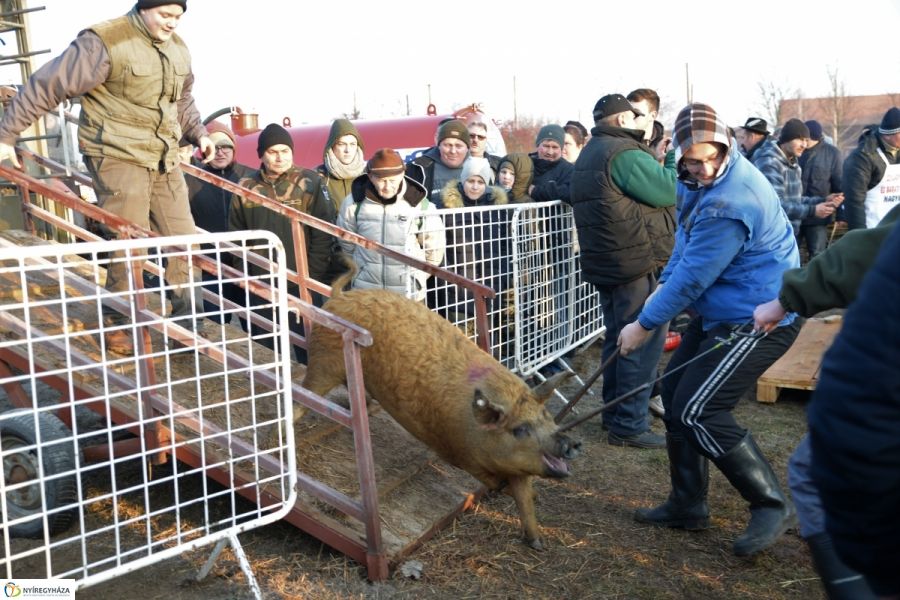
[
  {"x": 840, "y": 581},
  {"x": 771, "y": 512},
  {"x": 686, "y": 507}
]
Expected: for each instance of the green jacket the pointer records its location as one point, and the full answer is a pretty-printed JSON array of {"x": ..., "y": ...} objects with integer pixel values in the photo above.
[
  {"x": 832, "y": 278},
  {"x": 300, "y": 189},
  {"x": 339, "y": 177},
  {"x": 133, "y": 115}
]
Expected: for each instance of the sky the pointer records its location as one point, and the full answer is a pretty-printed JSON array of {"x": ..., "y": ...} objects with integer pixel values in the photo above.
[{"x": 551, "y": 61}]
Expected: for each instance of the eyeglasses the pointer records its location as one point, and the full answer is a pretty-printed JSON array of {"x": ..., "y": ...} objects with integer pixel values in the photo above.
[
  {"x": 694, "y": 163},
  {"x": 475, "y": 136},
  {"x": 224, "y": 149}
]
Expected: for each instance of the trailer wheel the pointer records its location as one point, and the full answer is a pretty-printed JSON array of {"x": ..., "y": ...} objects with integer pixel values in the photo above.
[{"x": 18, "y": 432}]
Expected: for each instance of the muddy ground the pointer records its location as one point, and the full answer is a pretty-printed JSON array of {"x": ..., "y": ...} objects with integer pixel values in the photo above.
[{"x": 593, "y": 548}]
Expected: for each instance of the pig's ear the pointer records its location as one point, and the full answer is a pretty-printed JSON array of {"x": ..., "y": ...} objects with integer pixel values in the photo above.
[
  {"x": 544, "y": 390},
  {"x": 489, "y": 415}
]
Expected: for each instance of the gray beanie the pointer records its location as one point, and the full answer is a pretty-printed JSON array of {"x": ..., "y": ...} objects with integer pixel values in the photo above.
[{"x": 551, "y": 132}]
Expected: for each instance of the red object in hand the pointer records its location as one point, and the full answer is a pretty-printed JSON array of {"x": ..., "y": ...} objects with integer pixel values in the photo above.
[{"x": 673, "y": 338}]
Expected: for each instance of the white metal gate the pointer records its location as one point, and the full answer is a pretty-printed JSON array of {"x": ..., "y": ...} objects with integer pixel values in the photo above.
[
  {"x": 90, "y": 489},
  {"x": 527, "y": 253}
]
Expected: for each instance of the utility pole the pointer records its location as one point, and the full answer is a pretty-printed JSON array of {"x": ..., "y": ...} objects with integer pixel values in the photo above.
[
  {"x": 515, "y": 106},
  {"x": 689, "y": 90}
]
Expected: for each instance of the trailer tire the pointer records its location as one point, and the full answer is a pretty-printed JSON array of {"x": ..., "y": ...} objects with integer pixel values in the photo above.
[{"x": 57, "y": 456}]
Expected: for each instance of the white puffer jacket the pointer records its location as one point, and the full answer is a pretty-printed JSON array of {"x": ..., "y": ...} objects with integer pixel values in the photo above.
[{"x": 410, "y": 225}]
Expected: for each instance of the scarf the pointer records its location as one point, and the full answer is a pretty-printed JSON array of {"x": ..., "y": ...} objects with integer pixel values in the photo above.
[{"x": 341, "y": 171}]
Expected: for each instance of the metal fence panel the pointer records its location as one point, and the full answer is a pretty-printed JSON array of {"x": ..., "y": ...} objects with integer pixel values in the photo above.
[
  {"x": 89, "y": 488},
  {"x": 528, "y": 254}
]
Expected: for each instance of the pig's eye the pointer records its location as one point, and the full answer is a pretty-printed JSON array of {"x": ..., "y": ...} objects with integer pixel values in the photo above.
[{"x": 522, "y": 431}]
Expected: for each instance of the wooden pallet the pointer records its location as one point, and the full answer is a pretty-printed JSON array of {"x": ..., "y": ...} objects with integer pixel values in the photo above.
[{"x": 799, "y": 367}]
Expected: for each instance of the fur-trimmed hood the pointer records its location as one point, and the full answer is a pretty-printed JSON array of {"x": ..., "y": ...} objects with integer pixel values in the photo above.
[{"x": 453, "y": 196}]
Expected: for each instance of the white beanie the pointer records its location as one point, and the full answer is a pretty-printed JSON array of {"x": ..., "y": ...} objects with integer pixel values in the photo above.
[{"x": 477, "y": 165}]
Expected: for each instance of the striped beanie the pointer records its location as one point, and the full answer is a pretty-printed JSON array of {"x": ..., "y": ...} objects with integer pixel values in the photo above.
[
  {"x": 890, "y": 124},
  {"x": 696, "y": 124}
]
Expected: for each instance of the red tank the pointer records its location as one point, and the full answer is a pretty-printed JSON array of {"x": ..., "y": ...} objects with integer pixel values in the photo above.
[{"x": 406, "y": 135}]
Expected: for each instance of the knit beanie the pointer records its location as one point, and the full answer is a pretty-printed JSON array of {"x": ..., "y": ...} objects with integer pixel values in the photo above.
[
  {"x": 385, "y": 163},
  {"x": 454, "y": 128},
  {"x": 890, "y": 124},
  {"x": 142, "y": 4},
  {"x": 220, "y": 134},
  {"x": 273, "y": 135},
  {"x": 551, "y": 132},
  {"x": 815, "y": 129},
  {"x": 792, "y": 130},
  {"x": 477, "y": 165},
  {"x": 697, "y": 124}
]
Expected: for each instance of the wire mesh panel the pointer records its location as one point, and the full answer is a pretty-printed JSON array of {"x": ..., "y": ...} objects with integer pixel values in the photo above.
[
  {"x": 106, "y": 388},
  {"x": 526, "y": 253}
]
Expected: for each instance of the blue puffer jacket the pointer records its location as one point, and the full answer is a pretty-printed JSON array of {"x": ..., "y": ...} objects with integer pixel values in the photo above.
[{"x": 732, "y": 245}]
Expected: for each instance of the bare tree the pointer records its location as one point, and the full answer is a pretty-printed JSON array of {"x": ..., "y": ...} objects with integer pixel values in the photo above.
[
  {"x": 838, "y": 108},
  {"x": 771, "y": 95}
]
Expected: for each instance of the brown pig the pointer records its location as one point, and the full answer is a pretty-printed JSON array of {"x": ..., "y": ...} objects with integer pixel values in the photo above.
[{"x": 448, "y": 393}]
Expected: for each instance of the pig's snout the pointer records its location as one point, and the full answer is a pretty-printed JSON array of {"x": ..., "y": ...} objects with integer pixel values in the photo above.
[{"x": 567, "y": 447}]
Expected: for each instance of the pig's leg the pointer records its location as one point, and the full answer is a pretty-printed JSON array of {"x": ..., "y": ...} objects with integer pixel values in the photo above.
[{"x": 522, "y": 491}]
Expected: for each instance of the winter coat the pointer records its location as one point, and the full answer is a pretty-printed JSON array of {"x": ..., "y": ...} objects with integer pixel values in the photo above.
[
  {"x": 409, "y": 224},
  {"x": 784, "y": 175},
  {"x": 337, "y": 187},
  {"x": 428, "y": 170},
  {"x": 820, "y": 172},
  {"x": 832, "y": 279},
  {"x": 524, "y": 170},
  {"x": 863, "y": 170},
  {"x": 732, "y": 246},
  {"x": 210, "y": 203},
  {"x": 300, "y": 189},
  {"x": 854, "y": 421},
  {"x": 551, "y": 179},
  {"x": 478, "y": 244}
]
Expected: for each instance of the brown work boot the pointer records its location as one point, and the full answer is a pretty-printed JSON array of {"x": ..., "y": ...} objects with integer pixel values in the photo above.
[{"x": 119, "y": 341}]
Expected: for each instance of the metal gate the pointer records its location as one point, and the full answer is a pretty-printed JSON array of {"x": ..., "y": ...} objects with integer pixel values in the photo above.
[{"x": 89, "y": 488}]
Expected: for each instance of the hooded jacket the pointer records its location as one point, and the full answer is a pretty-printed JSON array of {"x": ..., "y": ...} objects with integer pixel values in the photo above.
[
  {"x": 863, "y": 169},
  {"x": 428, "y": 170},
  {"x": 732, "y": 245},
  {"x": 339, "y": 177},
  {"x": 408, "y": 223},
  {"x": 478, "y": 242},
  {"x": 524, "y": 170}
]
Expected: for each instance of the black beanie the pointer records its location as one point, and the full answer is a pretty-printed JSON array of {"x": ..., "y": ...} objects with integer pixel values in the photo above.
[
  {"x": 142, "y": 4},
  {"x": 890, "y": 124},
  {"x": 792, "y": 130},
  {"x": 273, "y": 135}
]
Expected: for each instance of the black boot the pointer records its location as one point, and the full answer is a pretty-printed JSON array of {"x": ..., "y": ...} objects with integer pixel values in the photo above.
[
  {"x": 840, "y": 581},
  {"x": 771, "y": 513},
  {"x": 686, "y": 507}
]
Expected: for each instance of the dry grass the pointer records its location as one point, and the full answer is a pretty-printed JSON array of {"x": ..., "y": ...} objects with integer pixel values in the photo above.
[{"x": 593, "y": 547}]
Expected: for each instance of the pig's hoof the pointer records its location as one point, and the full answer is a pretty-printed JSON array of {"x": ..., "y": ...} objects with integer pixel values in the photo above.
[{"x": 535, "y": 543}]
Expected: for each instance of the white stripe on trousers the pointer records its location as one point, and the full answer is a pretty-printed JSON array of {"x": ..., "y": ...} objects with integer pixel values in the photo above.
[{"x": 694, "y": 407}]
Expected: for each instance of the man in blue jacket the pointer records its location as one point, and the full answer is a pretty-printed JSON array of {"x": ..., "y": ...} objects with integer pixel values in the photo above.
[{"x": 732, "y": 245}]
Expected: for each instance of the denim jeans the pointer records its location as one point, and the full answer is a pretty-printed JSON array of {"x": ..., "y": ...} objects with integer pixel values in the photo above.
[{"x": 621, "y": 306}]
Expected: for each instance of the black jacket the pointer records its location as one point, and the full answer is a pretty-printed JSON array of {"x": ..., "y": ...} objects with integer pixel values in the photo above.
[
  {"x": 210, "y": 203},
  {"x": 551, "y": 179},
  {"x": 820, "y": 172},
  {"x": 863, "y": 169}
]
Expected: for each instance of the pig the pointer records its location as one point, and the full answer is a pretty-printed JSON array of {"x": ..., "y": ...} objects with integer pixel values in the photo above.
[{"x": 448, "y": 393}]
